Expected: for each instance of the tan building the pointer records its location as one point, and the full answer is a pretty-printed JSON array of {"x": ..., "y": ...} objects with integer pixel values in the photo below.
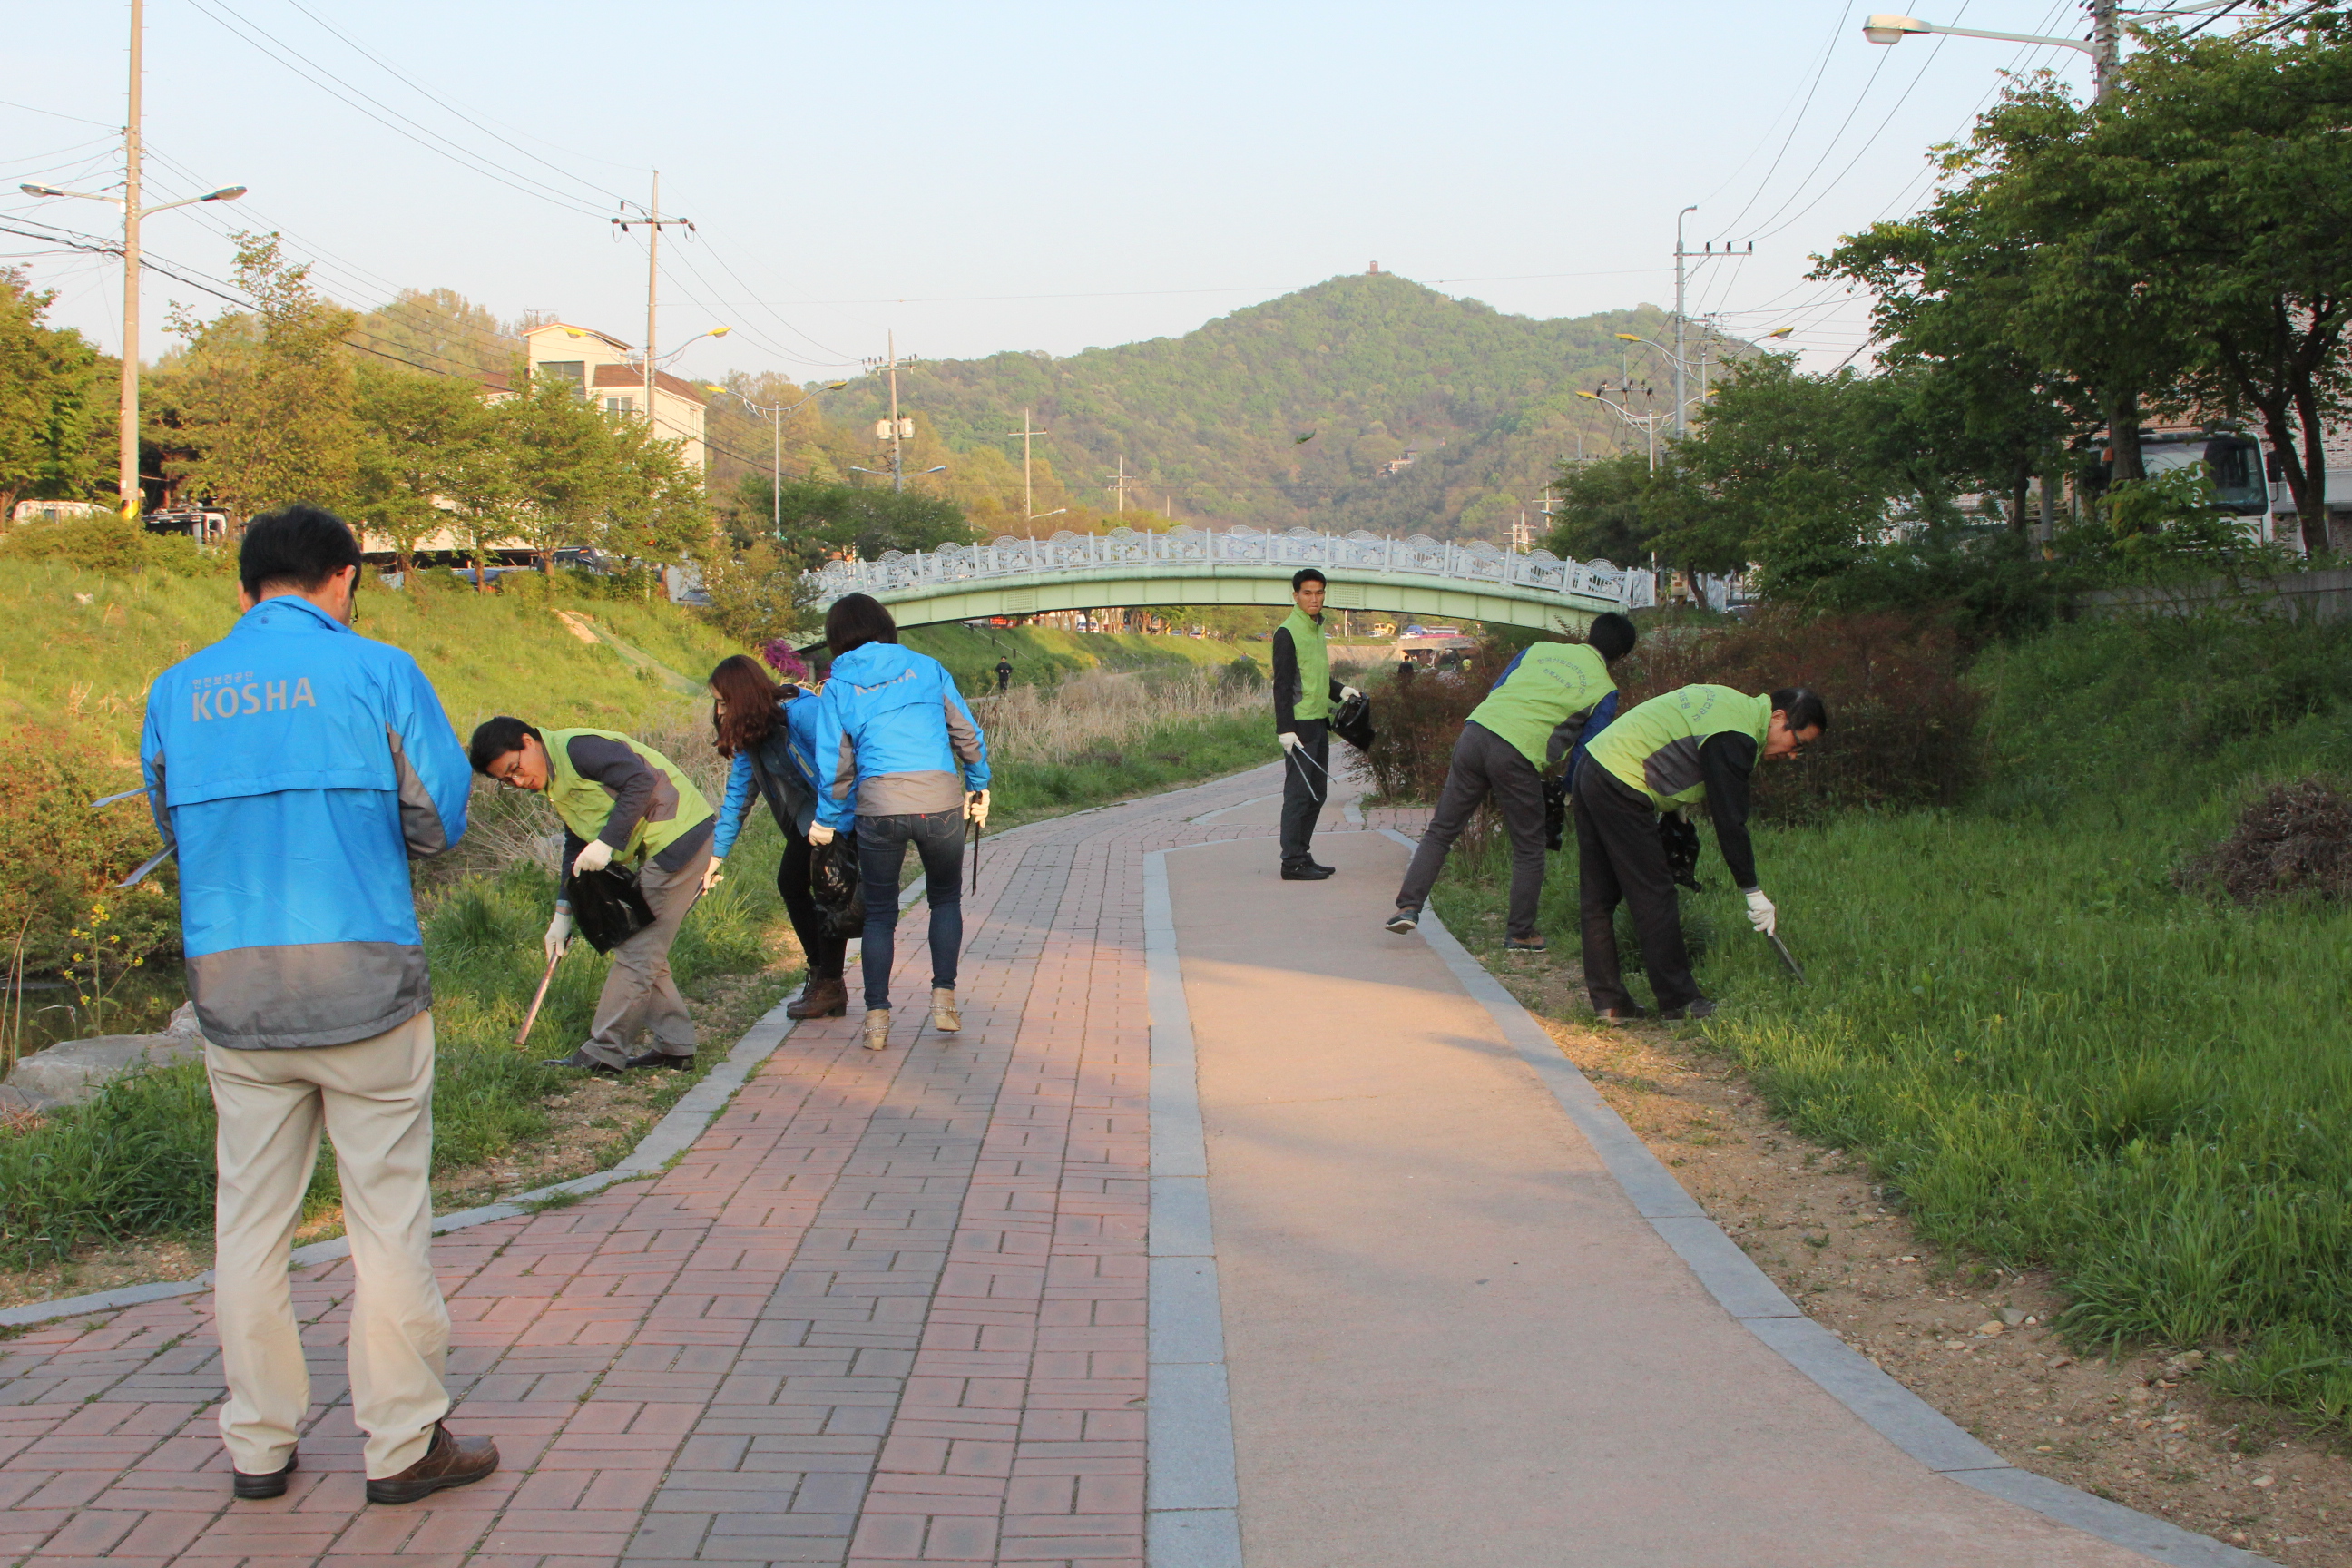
[{"x": 599, "y": 365}]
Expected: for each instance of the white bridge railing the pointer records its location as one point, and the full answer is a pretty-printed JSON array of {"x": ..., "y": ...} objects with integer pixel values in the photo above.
[{"x": 1474, "y": 565}]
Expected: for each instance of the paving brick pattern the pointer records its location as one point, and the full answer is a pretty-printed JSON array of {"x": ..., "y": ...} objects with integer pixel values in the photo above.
[{"x": 889, "y": 1309}]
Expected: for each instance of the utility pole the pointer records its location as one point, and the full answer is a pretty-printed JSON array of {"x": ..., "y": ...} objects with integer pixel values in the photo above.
[
  {"x": 1028, "y": 499},
  {"x": 895, "y": 429},
  {"x": 2107, "y": 47},
  {"x": 1682, "y": 408},
  {"x": 653, "y": 222},
  {"x": 1118, "y": 481},
  {"x": 126, "y": 477}
]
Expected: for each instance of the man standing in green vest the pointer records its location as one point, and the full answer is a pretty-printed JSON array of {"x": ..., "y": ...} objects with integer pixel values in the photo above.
[
  {"x": 620, "y": 801},
  {"x": 1303, "y": 693},
  {"x": 1536, "y": 712},
  {"x": 1698, "y": 743}
]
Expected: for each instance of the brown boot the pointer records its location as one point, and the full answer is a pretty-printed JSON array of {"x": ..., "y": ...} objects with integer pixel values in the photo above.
[
  {"x": 451, "y": 1461},
  {"x": 820, "y": 999}
]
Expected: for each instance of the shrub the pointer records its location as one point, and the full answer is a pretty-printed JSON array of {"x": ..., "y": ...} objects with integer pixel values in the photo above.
[
  {"x": 1902, "y": 721},
  {"x": 1417, "y": 717},
  {"x": 110, "y": 544},
  {"x": 57, "y": 879}
]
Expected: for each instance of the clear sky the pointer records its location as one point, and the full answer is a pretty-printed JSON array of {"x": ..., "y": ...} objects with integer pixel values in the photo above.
[{"x": 980, "y": 178}]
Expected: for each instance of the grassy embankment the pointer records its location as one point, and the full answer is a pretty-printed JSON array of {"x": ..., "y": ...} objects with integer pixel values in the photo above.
[
  {"x": 136, "y": 1162},
  {"x": 2053, "y": 1054}
]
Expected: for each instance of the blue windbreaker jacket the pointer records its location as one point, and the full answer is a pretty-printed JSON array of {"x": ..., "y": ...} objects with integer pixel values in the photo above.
[
  {"x": 298, "y": 766},
  {"x": 799, "y": 734},
  {"x": 894, "y": 732}
]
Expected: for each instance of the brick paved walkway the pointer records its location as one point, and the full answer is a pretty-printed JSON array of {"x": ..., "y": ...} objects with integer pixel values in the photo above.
[{"x": 889, "y": 1310}]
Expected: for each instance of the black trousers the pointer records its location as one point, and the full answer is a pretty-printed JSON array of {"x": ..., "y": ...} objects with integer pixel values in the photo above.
[
  {"x": 1485, "y": 764},
  {"x": 823, "y": 953},
  {"x": 1305, "y": 782},
  {"x": 1619, "y": 859}
]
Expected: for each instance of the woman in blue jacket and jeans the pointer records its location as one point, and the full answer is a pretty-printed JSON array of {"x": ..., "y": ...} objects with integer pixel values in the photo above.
[
  {"x": 768, "y": 733},
  {"x": 899, "y": 756}
]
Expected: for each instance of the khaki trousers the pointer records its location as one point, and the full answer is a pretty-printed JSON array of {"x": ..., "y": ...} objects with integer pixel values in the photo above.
[
  {"x": 639, "y": 993},
  {"x": 373, "y": 1099}
]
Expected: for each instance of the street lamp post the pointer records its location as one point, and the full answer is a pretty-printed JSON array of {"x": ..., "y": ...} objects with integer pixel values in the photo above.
[
  {"x": 127, "y": 417},
  {"x": 776, "y": 416},
  {"x": 1646, "y": 423},
  {"x": 1886, "y": 28}
]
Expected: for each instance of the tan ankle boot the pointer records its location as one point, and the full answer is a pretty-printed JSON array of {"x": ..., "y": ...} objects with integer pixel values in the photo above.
[
  {"x": 877, "y": 1027},
  {"x": 944, "y": 1018}
]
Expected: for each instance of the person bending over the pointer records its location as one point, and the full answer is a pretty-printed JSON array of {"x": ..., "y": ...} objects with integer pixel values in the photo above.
[
  {"x": 1303, "y": 693},
  {"x": 622, "y": 803},
  {"x": 1536, "y": 712},
  {"x": 1698, "y": 743},
  {"x": 899, "y": 756},
  {"x": 769, "y": 733}
]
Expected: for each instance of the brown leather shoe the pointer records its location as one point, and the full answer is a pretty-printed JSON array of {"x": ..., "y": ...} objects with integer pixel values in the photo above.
[
  {"x": 451, "y": 1461},
  {"x": 820, "y": 999}
]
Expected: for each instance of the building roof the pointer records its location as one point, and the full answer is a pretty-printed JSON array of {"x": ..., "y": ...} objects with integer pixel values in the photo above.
[
  {"x": 620, "y": 375},
  {"x": 570, "y": 331}
]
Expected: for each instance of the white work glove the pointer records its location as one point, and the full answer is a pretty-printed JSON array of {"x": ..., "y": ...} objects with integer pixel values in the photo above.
[
  {"x": 1289, "y": 739},
  {"x": 710, "y": 873},
  {"x": 975, "y": 808},
  {"x": 595, "y": 857},
  {"x": 557, "y": 937},
  {"x": 820, "y": 833},
  {"x": 1760, "y": 912},
  {"x": 1349, "y": 694}
]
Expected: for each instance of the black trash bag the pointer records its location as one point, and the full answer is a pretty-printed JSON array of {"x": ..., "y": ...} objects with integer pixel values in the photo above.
[
  {"x": 609, "y": 906},
  {"x": 1353, "y": 722},
  {"x": 835, "y": 884},
  {"x": 1555, "y": 796},
  {"x": 1680, "y": 841}
]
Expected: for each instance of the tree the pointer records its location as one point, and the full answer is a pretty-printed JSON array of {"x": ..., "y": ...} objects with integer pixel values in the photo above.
[
  {"x": 1601, "y": 514},
  {"x": 267, "y": 398},
  {"x": 54, "y": 431},
  {"x": 419, "y": 436},
  {"x": 822, "y": 521}
]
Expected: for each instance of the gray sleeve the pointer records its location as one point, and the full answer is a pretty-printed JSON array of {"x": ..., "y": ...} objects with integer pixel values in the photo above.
[
  {"x": 420, "y": 817},
  {"x": 1563, "y": 736},
  {"x": 963, "y": 734},
  {"x": 618, "y": 768}
]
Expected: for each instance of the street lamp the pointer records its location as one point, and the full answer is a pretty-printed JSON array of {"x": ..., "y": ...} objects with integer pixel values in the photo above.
[
  {"x": 1886, "y": 28},
  {"x": 892, "y": 473},
  {"x": 127, "y": 415},
  {"x": 776, "y": 417},
  {"x": 671, "y": 358}
]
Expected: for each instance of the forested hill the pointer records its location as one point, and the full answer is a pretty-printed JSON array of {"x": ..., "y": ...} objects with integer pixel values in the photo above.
[{"x": 1377, "y": 368}]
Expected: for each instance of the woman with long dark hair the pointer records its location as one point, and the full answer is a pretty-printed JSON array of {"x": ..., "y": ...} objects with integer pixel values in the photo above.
[
  {"x": 899, "y": 755},
  {"x": 767, "y": 730}
]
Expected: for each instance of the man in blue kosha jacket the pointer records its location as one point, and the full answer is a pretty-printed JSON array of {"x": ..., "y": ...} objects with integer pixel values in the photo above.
[{"x": 298, "y": 767}]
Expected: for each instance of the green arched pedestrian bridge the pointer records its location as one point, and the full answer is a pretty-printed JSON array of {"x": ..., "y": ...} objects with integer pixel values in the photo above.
[{"x": 1404, "y": 577}]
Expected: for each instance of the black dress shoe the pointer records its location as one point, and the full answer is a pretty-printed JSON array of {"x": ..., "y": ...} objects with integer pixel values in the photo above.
[
  {"x": 583, "y": 1061},
  {"x": 1307, "y": 871},
  {"x": 663, "y": 1059},
  {"x": 269, "y": 1484}
]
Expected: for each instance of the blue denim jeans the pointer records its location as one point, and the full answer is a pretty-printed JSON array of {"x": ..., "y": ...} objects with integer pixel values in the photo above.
[{"x": 938, "y": 837}]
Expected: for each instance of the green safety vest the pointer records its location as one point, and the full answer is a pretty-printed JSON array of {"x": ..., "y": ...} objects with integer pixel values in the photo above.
[
  {"x": 1314, "y": 665},
  {"x": 1551, "y": 681},
  {"x": 1654, "y": 748},
  {"x": 584, "y": 803}
]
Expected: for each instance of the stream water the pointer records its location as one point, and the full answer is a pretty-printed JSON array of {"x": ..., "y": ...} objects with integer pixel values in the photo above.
[{"x": 53, "y": 1010}]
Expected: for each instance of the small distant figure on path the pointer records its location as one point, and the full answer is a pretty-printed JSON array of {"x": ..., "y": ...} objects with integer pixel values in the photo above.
[
  {"x": 1004, "y": 675},
  {"x": 768, "y": 733},
  {"x": 1697, "y": 743},
  {"x": 1303, "y": 693},
  {"x": 1543, "y": 705},
  {"x": 621, "y": 803},
  {"x": 298, "y": 767},
  {"x": 901, "y": 760}
]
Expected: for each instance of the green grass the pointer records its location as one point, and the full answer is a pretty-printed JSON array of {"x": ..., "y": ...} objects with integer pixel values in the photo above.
[
  {"x": 1044, "y": 657},
  {"x": 137, "y": 1161},
  {"x": 2055, "y": 1056},
  {"x": 1162, "y": 758}
]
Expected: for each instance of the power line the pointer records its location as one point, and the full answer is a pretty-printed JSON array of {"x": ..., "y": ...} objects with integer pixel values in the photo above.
[{"x": 1819, "y": 71}]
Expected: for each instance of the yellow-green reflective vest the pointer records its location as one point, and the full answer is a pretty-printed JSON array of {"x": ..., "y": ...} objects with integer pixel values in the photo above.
[
  {"x": 1550, "y": 681},
  {"x": 584, "y": 803},
  {"x": 1314, "y": 666},
  {"x": 1654, "y": 748}
]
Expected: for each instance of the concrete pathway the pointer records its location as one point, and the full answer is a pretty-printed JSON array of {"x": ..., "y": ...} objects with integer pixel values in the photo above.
[{"x": 893, "y": 1309}]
